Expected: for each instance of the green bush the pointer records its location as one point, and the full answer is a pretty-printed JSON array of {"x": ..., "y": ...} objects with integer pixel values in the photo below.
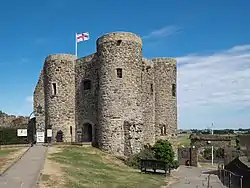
[
  {"x": 9, "y": 136},
  {"x": 162, "y": 150},
  {"x": 134, "y": 160}
]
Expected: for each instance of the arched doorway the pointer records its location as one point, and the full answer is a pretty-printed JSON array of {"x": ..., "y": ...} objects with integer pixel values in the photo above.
[
  {"x": 59, "y": 136},
  {"x": 87, "y": 132}
]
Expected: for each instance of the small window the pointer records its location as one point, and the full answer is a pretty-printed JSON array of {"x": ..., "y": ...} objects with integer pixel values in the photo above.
[
  {"x": 173, "y": 90},
  {"x": 163, "y": 130},
  {"x": 87, "y": 85},
  {"x": 54, "y": 89},
  {"x": 151, "y": 89},
  {"x": 119, "y": 73},
  {"x": 119, "y": 42}
]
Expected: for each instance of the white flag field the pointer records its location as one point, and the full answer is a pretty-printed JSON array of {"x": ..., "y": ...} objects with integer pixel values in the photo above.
[
  {"x": 82, "y": 37},
  {"x": 79, "y": 38}
]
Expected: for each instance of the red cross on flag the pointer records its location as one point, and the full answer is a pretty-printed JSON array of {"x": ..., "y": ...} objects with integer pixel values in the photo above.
[{"x": 82, "y": 37}]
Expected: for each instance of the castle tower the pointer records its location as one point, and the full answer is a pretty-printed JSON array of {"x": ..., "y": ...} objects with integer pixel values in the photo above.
[
  {"x": 59, "y": 86},
  {"x": 165, "y": 99},
  {"x": 119, "y": 112}
]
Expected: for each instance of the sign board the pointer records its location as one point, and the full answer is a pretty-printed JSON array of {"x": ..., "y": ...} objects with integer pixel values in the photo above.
[
  {"x": 21, "y": 132},
  {"x": 49, "y": 132},
  {"x": 79, "y": 131},
  {"x": 40, "y": 137}
]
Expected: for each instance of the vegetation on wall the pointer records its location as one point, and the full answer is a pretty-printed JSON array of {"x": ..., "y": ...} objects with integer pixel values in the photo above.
[{"x": 161, "y": 150}]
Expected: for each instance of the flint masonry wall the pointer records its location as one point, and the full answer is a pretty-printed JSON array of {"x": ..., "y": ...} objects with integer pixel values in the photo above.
[
  {"x": 127, "y": 102},
  {"x": 165, "y": 99},
  {"x": 59, "y": 85},
  {"x": 38, "y": 97},
  {"x": 119, "y": 102},
  {"x": 148, "y": 101},
  {"x": 87, "y": 95}
]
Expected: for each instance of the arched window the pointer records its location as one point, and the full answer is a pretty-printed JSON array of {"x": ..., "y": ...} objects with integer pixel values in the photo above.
[{"x": 163, "y": 130}]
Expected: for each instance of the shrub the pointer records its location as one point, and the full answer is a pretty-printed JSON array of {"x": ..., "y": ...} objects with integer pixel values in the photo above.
[
  {"x": 163, "y": 151},
  {"x": 134, "y": 160},
  {"x": 9, "y": 136}
]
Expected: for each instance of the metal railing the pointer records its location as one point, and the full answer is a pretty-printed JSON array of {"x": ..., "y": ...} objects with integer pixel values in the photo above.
[{"x": 228, "y": 178}]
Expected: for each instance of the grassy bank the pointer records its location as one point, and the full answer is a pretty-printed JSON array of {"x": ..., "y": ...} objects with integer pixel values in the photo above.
[{"x": 89, "y": 167}]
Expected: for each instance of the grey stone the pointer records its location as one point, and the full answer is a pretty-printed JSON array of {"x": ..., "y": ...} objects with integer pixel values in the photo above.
[{"x": 124, "y": 113}]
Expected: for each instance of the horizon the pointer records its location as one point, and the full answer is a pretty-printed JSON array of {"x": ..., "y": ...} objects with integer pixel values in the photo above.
[{"x": 211, "y": 45}]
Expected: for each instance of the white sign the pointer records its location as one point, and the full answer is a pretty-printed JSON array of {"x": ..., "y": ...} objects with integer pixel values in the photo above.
[
  {"x": 49, "y": 132},
  {"x": 40, "y": 137},
  {"x": 79, "y": 131},
  {"x": 21, "y": 132}
]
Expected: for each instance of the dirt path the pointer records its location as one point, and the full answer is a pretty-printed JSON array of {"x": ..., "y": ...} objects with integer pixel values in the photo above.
[{"x": 25, "y": 172}]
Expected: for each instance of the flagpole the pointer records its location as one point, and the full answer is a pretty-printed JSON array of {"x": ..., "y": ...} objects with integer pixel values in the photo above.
[{"x": 76, "y": 45}]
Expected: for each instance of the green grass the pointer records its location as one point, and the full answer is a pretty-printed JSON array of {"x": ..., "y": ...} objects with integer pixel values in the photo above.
[
  {"x": 183, "y": 140},
  {"x": 6, "y": 151},
  {"x": 89, "y": 167}
]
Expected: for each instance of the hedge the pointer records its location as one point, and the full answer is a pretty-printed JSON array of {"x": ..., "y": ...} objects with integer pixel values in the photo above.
[{"x": 9, "y": 136}]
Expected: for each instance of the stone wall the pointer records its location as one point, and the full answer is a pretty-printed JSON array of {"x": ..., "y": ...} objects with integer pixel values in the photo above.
[
  {"x": 165, "y": 100},
  {"x": 148, "y": 101},
  {"x": 86, "y": 98},
  {"x": 13, "y": 121},
  {"x": 39, "y": 100},
  {"x": 127, "y": 101},
  {"x": 59, "y": 84},
  {"x": 119, "y": 98}
]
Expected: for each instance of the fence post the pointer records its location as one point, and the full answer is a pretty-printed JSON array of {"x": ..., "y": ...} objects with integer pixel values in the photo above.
[
  {"x": 229, "y": 183},
  {"x": 241, "y": 181}
]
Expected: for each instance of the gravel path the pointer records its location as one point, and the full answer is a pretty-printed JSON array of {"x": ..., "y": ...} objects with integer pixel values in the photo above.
[
  {"x": 192, "y": 177},
  {"x": 25, "y": 172}
]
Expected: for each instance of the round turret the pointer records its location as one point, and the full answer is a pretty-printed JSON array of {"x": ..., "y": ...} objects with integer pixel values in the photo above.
[
  {"x": 59, "y": 86},
  {"x": 165, "y": 99},
  {"x": 120, "y": 58}
]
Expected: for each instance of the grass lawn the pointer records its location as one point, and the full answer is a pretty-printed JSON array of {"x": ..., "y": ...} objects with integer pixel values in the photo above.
[
  {"x": 88, "y": 167},
  {"x": 6, "y": 151},
  {"x": 7, "y": 155},
  {"x": 183, "y": 140}
]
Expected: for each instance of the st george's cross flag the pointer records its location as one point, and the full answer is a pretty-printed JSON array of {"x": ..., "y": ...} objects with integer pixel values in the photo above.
[
  {"x": 82, "y": 37},
  {"x": 79, "y": 38}
]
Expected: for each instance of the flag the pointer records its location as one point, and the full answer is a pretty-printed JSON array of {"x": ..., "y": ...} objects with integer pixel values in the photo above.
[{"x": 82, "y": 37}]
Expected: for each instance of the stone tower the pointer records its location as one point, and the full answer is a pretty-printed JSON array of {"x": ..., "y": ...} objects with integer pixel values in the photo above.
[
  {"x": 120, "y": 58},
  {"x": 165, "y": 99},
  {"x": 59, "y": 89},
  {"x": 114, "y": 98}
]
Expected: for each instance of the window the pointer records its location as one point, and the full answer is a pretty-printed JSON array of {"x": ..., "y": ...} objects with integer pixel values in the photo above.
[
  {"x": 119, "y": 73},
  {"x": 87, "y": 85},
  {"x": 173, "y": 90},
  {"x": 54, "y": 89},
  {"x": 151, "y": 89},
  {"x": 119, "y": 42},
  {"x": 163, "y": 130}
]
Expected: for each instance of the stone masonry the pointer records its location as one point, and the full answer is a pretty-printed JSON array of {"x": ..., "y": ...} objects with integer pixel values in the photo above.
[{"x": 114, "y": 98}]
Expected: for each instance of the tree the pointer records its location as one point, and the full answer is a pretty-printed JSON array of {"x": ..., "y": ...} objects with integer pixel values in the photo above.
[{"x": 163, "y": 151}]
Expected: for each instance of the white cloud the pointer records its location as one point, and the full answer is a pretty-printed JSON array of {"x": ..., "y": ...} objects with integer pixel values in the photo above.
[
  {"x": 162, "y": 32},
  {"x": 214, "y": 87}
]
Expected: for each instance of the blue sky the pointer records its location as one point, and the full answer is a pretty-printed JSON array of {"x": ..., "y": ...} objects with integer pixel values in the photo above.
[{"x": 210, "y": 40}]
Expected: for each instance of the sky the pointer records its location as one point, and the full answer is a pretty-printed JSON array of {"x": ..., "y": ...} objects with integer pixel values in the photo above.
[{"x": 209, "y": 39}]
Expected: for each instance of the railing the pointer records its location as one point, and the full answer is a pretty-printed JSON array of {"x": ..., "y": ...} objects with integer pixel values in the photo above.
[{"x": 228, "y": 178}]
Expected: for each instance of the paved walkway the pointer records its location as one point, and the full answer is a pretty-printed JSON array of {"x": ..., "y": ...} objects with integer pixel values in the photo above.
[
  {"x": 25, "y": 172},
  {"x": 192, "y": 177}
]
